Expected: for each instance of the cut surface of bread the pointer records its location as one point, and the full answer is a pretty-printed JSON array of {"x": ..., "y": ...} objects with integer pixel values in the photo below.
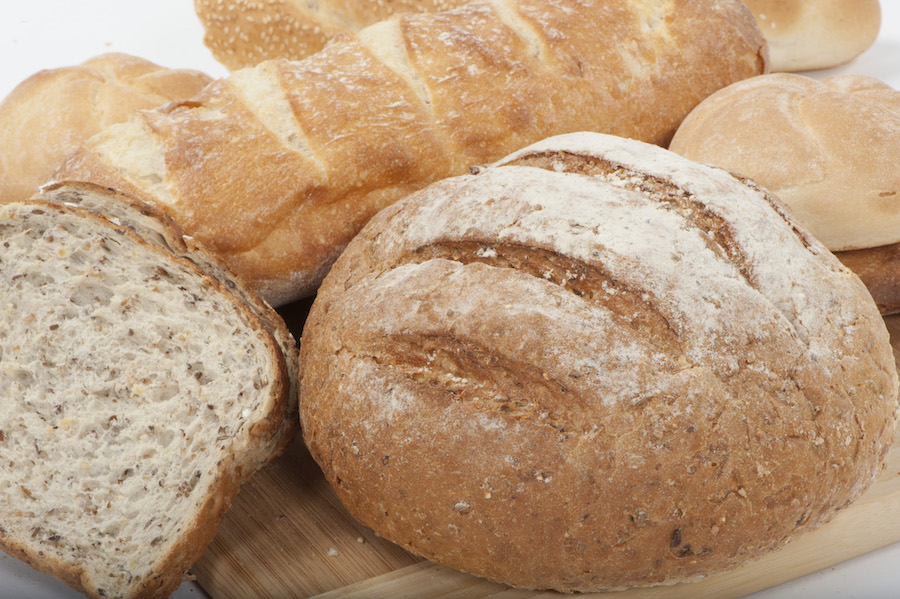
[{"x": 138, "y": 393}]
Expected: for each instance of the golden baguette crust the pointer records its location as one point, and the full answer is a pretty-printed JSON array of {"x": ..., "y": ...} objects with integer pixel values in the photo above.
[
  {"x": 50, "y": 114},
  {"x": 243, "y": 33},
  {"x": 595, "y": 365},
  {"x": 277, "y": 167}
]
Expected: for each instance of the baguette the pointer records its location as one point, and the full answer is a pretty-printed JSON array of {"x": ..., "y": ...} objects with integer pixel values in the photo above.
[
  {"x": 140, "y": 392},
  {"x": 594, "y": 365},
  {"x": 277, "y": 167},
  {"x": 243, "y": 33},
  {"x": 50, "y": 114}
]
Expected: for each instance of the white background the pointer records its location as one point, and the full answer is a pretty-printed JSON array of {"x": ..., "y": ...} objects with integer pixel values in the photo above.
[{"x": 40, "y": 34}]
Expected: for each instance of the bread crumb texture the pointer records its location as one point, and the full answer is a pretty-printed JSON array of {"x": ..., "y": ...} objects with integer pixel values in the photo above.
[
  {"x": 594, "y": 365},
  {"x": 130, "y": 388}
]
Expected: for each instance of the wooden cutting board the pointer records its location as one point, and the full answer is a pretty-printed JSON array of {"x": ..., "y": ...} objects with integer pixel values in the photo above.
[{"x": 287, "y": 536}]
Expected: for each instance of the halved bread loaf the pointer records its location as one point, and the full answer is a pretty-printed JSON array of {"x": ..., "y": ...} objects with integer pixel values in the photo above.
[{"x": 139, "y": 392}]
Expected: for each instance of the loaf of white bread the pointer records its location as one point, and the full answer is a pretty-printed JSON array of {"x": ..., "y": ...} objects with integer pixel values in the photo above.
[
  {"x": 277, "y": 167},
  {"x": 802, "y": 34},
  {"x": 830, "y": 150},
  {"x": 142, "y": 385},
  {"x": 594, "y": 365},
  {"x": 50, "y": 114},
  {"x": 816, "y": 34}
]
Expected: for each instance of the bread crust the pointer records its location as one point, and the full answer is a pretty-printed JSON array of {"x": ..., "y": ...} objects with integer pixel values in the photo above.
[
  {"x": 879, "y": 269},
  {"x": 50, "y": 114},
  {"x": 243, "y": 33},
  {"x": 297, "y": 156},
  {"x": 528, "y": 375}
]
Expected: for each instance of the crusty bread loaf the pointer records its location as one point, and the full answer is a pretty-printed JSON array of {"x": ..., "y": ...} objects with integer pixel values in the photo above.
[
  {"x": 50, "y": 114},
  {"x": 594, "y": 365},
  {"x": 140, "y": 393},
  {"x": 816, "y": 34},
  {"x": 828, "y": 149},
  {"x": 277, "y": 167},
  {"x": 243, "y": 33}
]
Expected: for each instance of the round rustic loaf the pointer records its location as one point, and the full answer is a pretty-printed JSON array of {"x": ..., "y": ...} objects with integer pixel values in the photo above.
[
  {"x": 828, "y": 149},
  {"x": 54, "y": 111},
  {"x": 594, "y": 365}
]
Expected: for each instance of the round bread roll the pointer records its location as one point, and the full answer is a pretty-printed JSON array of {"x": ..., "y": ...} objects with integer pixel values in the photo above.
[
  {"x": 594, "y": 365},
  {"x": 50, "y": 114},
  {"x": 816, "y": 34},
  {"x": 827, "y": 149}
]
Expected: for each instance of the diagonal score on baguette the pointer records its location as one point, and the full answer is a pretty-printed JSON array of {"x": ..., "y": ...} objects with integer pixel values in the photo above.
[
  {"x": 138, "y": 394},
  {"x": 277, "y": 180}
]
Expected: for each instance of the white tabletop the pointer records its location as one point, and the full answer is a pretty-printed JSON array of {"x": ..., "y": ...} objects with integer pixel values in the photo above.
[{"x": 41, "y": 34}]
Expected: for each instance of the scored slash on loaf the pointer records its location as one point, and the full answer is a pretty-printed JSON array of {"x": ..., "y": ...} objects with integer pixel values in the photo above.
[
  {"x": 277, "y": 167},
  {"x": 594, "y": 365}
]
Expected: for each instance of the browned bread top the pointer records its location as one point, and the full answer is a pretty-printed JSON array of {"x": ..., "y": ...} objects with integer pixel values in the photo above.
[
  {"x": 595, "y": 365},
  {"x": 243, "y": 33},
  {"x": 277, "y": 167},
  {"x": 50, "y": 114}
]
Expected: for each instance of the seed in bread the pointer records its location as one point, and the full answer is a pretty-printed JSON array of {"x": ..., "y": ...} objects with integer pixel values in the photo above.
[
  {"x": 595, "y": 365},
  {"x": 244, "y": 33}
]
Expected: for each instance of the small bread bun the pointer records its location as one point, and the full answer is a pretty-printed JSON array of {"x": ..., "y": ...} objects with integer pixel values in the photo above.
[
  {"x": 51, "y": 113},
  {"x": 828, "y": 149},
  {"x": 595, "y": 365},
  {"x": 816, "y": 34}
]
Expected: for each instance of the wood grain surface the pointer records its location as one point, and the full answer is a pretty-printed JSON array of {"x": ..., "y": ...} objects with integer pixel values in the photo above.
[{"x": 288, "y": 537}]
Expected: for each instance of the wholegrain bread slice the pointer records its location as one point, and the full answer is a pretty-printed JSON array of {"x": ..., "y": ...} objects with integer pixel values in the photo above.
[
  {"x": 158, "y": 228},
  {"x": 138, "y": 392}
]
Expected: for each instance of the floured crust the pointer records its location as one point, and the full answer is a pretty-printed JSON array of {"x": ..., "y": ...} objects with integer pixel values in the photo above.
[
  {"x": 827, "y": 149},
  {"x": 298, "y": 155},
  {"x": 594, "y": 366}
]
